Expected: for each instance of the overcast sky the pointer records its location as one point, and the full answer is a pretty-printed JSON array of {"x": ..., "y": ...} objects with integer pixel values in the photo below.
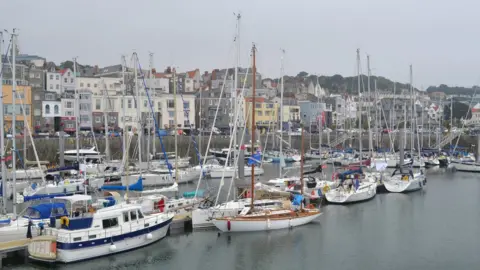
[{"x": 441, "y": 38}]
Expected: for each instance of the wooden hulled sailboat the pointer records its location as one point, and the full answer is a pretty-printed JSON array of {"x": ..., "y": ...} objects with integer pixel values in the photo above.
[{"x": 251, "y": 219}]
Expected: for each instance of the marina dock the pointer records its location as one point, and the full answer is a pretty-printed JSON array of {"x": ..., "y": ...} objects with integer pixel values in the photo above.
[{"x": 18, "y": 247}]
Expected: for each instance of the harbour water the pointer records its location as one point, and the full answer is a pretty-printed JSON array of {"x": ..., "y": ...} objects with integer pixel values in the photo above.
[{"x": 433, "y": 229}]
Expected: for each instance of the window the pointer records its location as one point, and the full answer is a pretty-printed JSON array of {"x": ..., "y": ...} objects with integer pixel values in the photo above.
[
  {"x": 185, "y": 114},
  {"x": 129, "y": 104},
  {"x": 270, "y": 106},
  {"x": 140, "y": 215},
  {"x": 170, "y": 104},
  {"x": 98, "y": 119},
  {"x": 81, "y": 84},
  {"x": 186, "y": 123},
  {"x": 88, "y": 85},
  {"x": 57, "y": 77},
  {"x": 133, "y": 215},
  {"x": 98, "y": 106},
  {"x": 159, "y": 105},
  {"x": 71, "y": 80},
  {"x": 51, "y": 76},
  {"x": 171, "y": 123},
  {"x": 268, "y": 113},
  {"x": 27, "y": 110},
  {"x": 76, "y": 239},
  {"x": 145, "y": 104},
  {"x": 37, "y": 112},
  {"x": 259, "y": 113},
  {"x": 85, "y": 107},
  {"x": 121, "y": 103},
  {"x": 84, "y": 118},
  {"x": 70, "y": 125},
  {"x": 69, "y": 113},
  {"x": 171, "y": 114},
  {"x": 112, "y": 119},
  {"x": 69, "y": 105},
  {"x": 47, "y": 109},
  {"x": 51, "y": 86},
  {"x": 49, "y": 97},
  {"x": 111, "y": 222},
  {"x": 65, "y": 80},
  {"x": 125, "y": 217},
  {"x": 36, "y": 97},
  {"x": 55, "y": 109},
  {"x": 92, "y": 237},
  {"x": 186, "y": 105},
  {"x": 68, "y": 74},
  {"x": 258, "y": 105}
]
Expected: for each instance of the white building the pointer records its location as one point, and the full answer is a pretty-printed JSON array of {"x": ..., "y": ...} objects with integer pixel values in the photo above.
[
  {"x": 51, "y": 108},
  {"x": 60, "y": 81},
  {"x": 163, "y": 107}
]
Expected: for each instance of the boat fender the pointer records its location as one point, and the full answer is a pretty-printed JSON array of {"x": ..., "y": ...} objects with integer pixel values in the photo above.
[
  {"x": 113, "y": 247},
  {"x": 326, "y": 189},
  {"x": 149, "y": 236},
  {"x": 161, "y": 205},
  {"x": 229, "y": 225},
  {"x": 268, "y": 223},
  {"x": 78, "y": 188}
]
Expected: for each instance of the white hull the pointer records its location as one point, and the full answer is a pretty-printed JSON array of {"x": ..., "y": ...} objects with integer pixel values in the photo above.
[
  {"x": 68, "y": 256},
  {"x": 229, "y": 172},
  {"x": 396, "y": 185},
  {"x": 202, "y": 218},
  {"x": 465, "y": 167},
  {"x": 343, "y": 196},
  {"x": 73, "y": 187},
  {"x": 261, "y": 225},
  {"x": 26, "y": 174}
]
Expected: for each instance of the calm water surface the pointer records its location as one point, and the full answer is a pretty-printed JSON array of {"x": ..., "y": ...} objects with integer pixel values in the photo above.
[{"x": 435, "y": 229}]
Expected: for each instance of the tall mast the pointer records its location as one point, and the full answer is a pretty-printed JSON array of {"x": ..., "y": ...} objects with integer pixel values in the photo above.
[
  {"x": 254, "y": 84},
  {"x": 369, "y": 117},
  {"x": 124, "y": 89},
  {"x": 148, "y": 124},
  {"x": 2, "y": 135},
  {"x": 175, "y": 121},
  {"x": 360, "y": 106},
  {"x": 302, "y": 161},
  {"x": 14, "y": 116},
  {"x": 105, "y": 116},
  {"x": 139, "y": 115},
  {"x": 77, "y": 111},
  {"x": 281, "y": 112},
  {"x": 233, "y": 97},
  {"x": 153, "y": 119}
]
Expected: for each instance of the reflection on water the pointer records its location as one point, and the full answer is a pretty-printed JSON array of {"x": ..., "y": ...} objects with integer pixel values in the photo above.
[{"x": 434, "y": 229}]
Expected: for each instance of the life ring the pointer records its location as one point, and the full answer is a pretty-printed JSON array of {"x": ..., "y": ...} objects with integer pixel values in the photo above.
[
  {"x": 64, "y": 221},
  {"x": 326, "y": 189}
]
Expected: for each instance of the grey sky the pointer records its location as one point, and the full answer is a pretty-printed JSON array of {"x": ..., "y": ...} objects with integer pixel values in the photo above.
[{"x": 437, "y": 36}]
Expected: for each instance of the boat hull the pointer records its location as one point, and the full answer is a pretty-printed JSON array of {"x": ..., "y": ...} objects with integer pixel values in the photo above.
[
  {"x": 102, "y": 247},
  {"x": 230, "y": 172},
  {"x": 399, "y": 186},
  {"x": 237, "y": 225},
  {"x": 337, "y": 197}
]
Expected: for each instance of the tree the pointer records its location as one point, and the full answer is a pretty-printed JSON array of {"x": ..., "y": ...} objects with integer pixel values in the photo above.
[
  {"x": 460, "y": 110},
  {"x": 67, "y": 64},
  {"x": 302, "y": 74}
]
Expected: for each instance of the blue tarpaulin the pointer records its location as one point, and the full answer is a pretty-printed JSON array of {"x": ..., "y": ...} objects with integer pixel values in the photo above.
[
  {"x": 343, "y": 175},
  {"x": 46, "y": 210},
  {"x": 138, "y": 186}
]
